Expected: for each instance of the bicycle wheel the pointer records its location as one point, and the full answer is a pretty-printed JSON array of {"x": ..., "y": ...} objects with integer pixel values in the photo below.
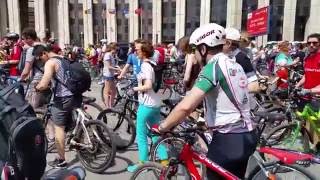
[
  {"x": 124, "y": 129},
  {"x": 49, "y": 129},
  {"x": 148, "y": 171},
  {"x": 281, "y": 171},
  {"x": 98, "y": 158},
  {"x": 93, "y": 109},
  {"x": 174, "y": 146},
  {"x": 289, "y": 136}
]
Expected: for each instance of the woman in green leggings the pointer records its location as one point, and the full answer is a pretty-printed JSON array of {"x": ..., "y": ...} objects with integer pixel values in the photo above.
[{"x": 149, "y": 105}]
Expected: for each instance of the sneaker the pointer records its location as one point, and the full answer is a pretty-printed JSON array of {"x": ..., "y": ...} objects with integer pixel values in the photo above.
[
  {"x": 134, "y": 167},
  {"x": 58, "y": 163}
]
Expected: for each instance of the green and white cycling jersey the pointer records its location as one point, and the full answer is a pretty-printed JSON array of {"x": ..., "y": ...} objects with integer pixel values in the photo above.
[{"x": 224, "y": 81}]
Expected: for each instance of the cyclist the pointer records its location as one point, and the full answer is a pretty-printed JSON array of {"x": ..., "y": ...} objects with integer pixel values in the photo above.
[
  {"x": 133, "y": 60},
  {"x": 311, "y": 80},
  {"x": 149, "y": 104},
  {"x": 193, "y": 66},
  {"x": 64, "y": 100},
  {"x": 14, "y": 56},
  {"x": 222, "y": 84},
  {"x": 109, "y": 70},
  {"x": 232, "y": 48},
  {"x": 30, "y": 39}
]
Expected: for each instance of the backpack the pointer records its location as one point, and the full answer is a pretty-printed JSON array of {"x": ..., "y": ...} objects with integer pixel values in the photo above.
[
  {"x": 22, "y": 136},
  {"x": 22, "y": 60},
  {"x": 78, "y": 80},
  {"x": 158, "y": 70}
]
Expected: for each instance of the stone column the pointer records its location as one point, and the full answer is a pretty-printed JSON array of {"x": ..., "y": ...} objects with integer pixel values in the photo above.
[
  {"x": 134, "y": 23},
  {"x": 205, "y": 12},
  {"x": 40, "y": 18},
  {"x": 3, "y": 18},
  {"x": 289, "y": 17},
  {"x": 53, "y": 19},
  {"x": 14, "y": 16},
  {"x": 234, "y": 13},
  {"x": 157, "y": 21},
  {"x": 87, "y": 23},
  {"x": 313, "y": 25},
  {"x": 262, "y": 40},
  {"x": 63, "y": 23},
  {"x": 111, "y": 22},
  {"x": 180, "y": 18}
]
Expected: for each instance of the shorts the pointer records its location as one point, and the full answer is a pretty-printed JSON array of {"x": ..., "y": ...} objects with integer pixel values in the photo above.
[
  {"x": 223, "y": 152},
  {"x": 62, "y": 110},
  {"x": 108, "y": 78}
]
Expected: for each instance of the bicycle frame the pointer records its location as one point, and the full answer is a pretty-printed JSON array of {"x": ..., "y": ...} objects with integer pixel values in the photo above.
[{"x": 187, "y": 155}]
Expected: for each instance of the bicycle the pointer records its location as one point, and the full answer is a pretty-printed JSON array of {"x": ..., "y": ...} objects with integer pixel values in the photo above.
[
  {"x": 186, "y": 156},
  {"x": 89, "y": 138}
]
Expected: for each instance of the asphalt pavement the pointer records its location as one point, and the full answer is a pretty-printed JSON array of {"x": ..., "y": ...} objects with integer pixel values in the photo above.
[{"x": 125, "y": 158}]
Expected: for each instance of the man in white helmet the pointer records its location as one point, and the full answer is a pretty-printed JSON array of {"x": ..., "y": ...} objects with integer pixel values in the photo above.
[
  {"x": 231, "y": 48},
  {"x": 222, "y": 84}
]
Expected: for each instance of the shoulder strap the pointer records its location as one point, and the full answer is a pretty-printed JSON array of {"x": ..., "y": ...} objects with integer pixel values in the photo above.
[{"x": 225, "y": 86}]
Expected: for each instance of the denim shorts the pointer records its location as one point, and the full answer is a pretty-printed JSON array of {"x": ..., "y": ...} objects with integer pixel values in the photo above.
[{"x": 108, "y": 78}]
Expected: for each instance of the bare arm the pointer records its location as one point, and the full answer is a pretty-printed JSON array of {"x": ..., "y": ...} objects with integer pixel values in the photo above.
[
  {"x": 49, "y": 69},
  {"x": 124, "y": 70},
  {"x": 183, "y": 109},
  {"x": 187, "y": 72},
  {"x": 301, "y": 82},
  {"x": 145, "y": 87},
  {"x": 108, "y": 64},
  {"x": 26, "y": 70}
]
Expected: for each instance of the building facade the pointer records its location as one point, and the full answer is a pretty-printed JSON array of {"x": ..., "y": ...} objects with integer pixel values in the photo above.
[{"x": 84, "y": 22}]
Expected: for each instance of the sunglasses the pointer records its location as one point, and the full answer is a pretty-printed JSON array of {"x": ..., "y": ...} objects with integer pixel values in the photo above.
[{"x": 312, "y": 42}]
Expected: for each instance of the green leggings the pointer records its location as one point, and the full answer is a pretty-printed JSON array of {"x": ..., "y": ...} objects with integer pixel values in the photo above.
[{"x": 148, "y": 115}]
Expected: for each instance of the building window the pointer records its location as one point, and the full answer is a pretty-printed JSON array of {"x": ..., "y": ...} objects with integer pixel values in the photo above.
[
  {"x": 302, "y": 16},
  {"x": 276, "y": 20},
  {"x": 218, "y": 12},
  {"x": 247, "y": 7}
]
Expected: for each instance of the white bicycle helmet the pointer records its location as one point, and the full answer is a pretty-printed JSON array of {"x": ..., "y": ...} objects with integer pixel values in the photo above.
[
  {"x": 233, "y": 34},
  {"x": 210, "y": 34}
]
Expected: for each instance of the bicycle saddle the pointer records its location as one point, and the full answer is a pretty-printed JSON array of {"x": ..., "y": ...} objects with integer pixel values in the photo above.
[
  {"x": 270, "y": 116},
  {"x": 87, "y": 100}
]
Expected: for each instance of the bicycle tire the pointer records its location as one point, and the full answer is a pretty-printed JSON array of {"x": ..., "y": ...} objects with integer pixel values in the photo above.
[
  {"x": 153, "y": 166},
  {"x": 254, "y": 174},
  {"x": 44, "y": 120},
  {"x": 129, "y": 125},
  {"x": 287, "y": 129},
  {"x": 95, "y": 106},
  {"x": 107, "y": 137}
]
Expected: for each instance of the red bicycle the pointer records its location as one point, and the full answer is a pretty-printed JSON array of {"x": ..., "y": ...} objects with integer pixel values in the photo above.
[{"x": 287, "y": 165}]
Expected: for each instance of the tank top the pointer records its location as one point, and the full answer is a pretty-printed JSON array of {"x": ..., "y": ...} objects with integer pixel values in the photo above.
[{"x": 60, "y": 90}]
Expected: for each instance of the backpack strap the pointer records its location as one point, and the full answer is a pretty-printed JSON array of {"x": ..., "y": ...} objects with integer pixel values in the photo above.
[
  {"x": 55, "y": 77},
  {"x": 225, "y": 87}
]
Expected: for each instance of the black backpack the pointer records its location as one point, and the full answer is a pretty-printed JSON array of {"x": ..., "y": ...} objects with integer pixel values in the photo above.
[
  {"x": 22, "y": 136},
  {"x": 22, "y": 60},
  {"x": 78, "y": 80},
  {"x": 158, "y": 70}
]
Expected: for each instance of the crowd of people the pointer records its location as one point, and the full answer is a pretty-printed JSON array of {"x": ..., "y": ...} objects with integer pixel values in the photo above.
[{"x": 221, "y": 69}]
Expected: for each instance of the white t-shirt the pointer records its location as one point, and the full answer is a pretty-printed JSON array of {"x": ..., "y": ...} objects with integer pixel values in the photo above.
[
  {"x": 147, "y": 98},
  {"x": 106, "y": 71}
]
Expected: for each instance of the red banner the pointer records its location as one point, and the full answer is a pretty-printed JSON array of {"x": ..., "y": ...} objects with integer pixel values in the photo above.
[{"x": 258, "y": 21}]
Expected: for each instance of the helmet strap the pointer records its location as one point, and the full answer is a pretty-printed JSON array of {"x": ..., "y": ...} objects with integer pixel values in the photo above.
[{"x": 203, "y": 55}]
